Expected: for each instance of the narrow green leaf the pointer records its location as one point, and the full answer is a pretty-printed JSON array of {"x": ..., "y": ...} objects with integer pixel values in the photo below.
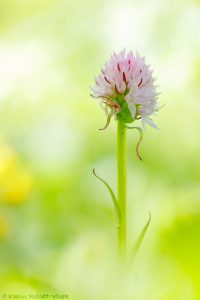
[
  {"x": 114, "y": 199},
  {"x": 140, "y": 239},
  {"x": 140, "y": 140}
]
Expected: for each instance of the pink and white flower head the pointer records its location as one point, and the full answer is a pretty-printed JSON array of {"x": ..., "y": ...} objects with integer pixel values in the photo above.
[{"x": 126, "y": 86}]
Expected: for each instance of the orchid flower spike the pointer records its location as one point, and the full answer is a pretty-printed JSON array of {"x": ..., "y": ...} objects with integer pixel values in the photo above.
[{"x": 126, "y": 89}]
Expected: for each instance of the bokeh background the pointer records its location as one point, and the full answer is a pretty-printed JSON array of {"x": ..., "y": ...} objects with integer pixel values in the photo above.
[{"x": 57, "y": 224}]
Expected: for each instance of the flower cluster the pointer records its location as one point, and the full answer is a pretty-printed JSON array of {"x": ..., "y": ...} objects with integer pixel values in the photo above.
[{"x": 126, "y": 86}]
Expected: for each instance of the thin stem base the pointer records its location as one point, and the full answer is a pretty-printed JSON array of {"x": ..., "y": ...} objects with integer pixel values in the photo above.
[{"x": 121, "y": 172}]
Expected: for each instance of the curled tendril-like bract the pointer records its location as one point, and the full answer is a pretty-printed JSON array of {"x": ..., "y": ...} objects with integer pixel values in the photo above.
[
  {"x": 139, "y": 129},
  {"x": 111, "y": 113}
]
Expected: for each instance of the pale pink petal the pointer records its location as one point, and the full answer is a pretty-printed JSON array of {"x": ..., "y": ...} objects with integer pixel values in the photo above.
[{"x": 129, "y": 76}]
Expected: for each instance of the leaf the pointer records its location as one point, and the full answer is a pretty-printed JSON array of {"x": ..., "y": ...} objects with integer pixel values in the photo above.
[
  {"x": 140, "y": 239},
  {"x": 140, "y": 140},
  {"x": 114, "y": 199}
]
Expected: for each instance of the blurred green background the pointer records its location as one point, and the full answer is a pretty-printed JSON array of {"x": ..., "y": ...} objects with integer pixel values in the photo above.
[{"x": 57, "y": 225}]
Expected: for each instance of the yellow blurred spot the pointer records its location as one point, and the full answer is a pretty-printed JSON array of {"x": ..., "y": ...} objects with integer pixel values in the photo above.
[
  {"x": 17, "y": 189},
  {"x": 7, "y": 161},
  {"x": 15, "y": 180}
]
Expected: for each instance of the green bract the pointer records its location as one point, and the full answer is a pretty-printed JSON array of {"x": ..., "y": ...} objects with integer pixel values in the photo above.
[{"x": 124, "y": 115}]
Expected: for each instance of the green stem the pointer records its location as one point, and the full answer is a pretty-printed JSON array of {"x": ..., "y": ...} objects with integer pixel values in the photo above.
[{"x": 121, "y": 171}]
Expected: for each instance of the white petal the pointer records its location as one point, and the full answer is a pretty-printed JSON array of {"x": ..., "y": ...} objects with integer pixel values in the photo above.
[
  {"x": 150, "y": 122},
  {"x": 132, "y": 108}
]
